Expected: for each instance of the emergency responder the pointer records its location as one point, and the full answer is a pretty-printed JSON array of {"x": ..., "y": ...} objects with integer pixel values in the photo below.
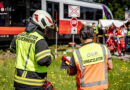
[
  {"x": 120, "y": 43},
  {"x": 100, "y": 35},
  {"x": 32, "y": 53},
  {"x": 94, "y": 28},
  {"x": 91, "y": 63},
  {"x": 128, "y": 34},
  {"x": 105, "y": 32}
]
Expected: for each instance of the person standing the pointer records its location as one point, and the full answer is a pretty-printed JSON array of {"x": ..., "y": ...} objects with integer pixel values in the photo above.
[
  {"x": 32, "y": 53},
  {"x": 90, "y": 63},
  {"x": 128, "y": 34}
]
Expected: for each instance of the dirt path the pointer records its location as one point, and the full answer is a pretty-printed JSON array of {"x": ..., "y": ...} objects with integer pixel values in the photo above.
[
  {"x": 124, "y": 58},
  {"x": 7, "y": 55}
]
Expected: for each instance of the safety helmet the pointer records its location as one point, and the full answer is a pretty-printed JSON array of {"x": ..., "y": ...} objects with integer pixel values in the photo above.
[{"x": 42, "y": 18}]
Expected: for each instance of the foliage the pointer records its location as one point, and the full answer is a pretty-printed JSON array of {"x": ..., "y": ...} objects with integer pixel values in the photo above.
[
  {"x": 1, "y": 51},
  {"x": 117, "y": 7},
  {"x": 118, "y": 77}
]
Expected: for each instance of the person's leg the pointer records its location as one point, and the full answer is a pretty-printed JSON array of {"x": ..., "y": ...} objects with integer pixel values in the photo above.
[
  {"x": 118, "y": 48},
  {"x": 40, "y": 88},
  {"x": 16, "y": 88}
]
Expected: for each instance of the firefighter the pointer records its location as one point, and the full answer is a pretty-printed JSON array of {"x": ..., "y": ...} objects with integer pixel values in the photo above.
[
  {"x": 32, "y": 53},
  {"x": 91, "y": 63}
]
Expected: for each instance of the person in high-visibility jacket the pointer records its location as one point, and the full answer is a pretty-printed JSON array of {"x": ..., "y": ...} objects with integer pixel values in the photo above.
[
  {"x": 100, "y": 35},
  {"x": 32, "y": 53},
  {"x": 91, "y": 63},
  {"x": 128, "y": 35}
]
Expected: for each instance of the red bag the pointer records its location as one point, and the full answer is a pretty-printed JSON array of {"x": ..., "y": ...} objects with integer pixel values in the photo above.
[{"x": 48, "y": 86}]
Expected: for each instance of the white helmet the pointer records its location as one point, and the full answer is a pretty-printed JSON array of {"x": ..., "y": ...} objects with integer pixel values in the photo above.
[{"x": 42, "y": 18}]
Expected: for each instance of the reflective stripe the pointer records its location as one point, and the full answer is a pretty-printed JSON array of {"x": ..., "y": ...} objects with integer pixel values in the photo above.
[
  {"x": 105, "y": 34},
  {"x": 81, "y": 65},
  {"x": 100, "y": 35},
  {"x": 28, "y": 57},
  {"x": 29, "y": 81},
  {"x": 128, "y": 33},
  {"x": 24, "y": 74},
  {"x": 105, "y": 65},
  {"x": 83, "y": 71},
  {"x": 43, "y": 54},
  {"x": 94, "y": 83},
  {"x": 16, "y": 53}
]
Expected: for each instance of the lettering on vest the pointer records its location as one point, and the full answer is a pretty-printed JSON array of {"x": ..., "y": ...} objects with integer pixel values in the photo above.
[
  {"x": 93, "y": 60},
  {"x": 92, "y": 54},
  {"x": 27, "y": 38}
]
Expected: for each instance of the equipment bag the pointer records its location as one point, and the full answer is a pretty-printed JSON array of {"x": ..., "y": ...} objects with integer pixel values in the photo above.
[{"x": 48, "y": 86}]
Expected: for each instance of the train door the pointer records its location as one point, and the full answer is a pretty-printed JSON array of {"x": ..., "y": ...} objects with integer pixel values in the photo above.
[{"x": 53, "y": 10}]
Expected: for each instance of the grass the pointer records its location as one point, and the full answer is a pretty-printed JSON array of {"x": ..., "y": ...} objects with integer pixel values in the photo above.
[
  {"x": 1, "y": 51},
  {"x": 119, "y": 77}
]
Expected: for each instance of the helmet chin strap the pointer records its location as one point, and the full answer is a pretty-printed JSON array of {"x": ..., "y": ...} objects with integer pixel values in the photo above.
[{"x": 31, "y": 27}]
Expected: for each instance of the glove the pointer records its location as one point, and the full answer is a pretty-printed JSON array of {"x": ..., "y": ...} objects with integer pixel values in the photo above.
[{"x": 66, "y": 60}]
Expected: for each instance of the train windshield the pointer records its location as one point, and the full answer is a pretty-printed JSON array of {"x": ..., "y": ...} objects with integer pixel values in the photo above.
[{"x": 15, "y": 14}]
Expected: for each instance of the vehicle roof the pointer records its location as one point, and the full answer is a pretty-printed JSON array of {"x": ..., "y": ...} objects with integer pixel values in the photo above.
[{"x": 82, "y": 3}]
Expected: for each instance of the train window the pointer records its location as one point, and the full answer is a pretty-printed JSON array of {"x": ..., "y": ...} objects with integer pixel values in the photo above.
[
  {"x": 4, "y": 13},
  {"x": 90, "y": 13},
  {"x": 19, "y": 14},
  {"x": 98, "y": 14},
  {"x": 82, "y": 13},
  {"x": 34, "y": 5},
  {"x": 15, "y": 14},
  {"x": 87, "y": 13},
  {"x": 56, "y": 11},
  {"x": 49, "y": 8},
  {"x": 66, "y": 12}
]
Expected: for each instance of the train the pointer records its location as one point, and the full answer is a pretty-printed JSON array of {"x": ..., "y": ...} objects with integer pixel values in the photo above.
[{"x": 14, "y": 13}]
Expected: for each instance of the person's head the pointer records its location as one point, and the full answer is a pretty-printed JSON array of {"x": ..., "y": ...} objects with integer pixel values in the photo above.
[
  {"x": 42, "y": 19},
  {"x": 86, "y": 33},
  {"x": 113, "y": 26},
  {"x": 93, "y": 24}
]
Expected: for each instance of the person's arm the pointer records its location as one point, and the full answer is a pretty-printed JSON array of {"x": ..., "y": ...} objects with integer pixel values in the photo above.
[
  {"x": 110, "y": 66},
  {"x": 71, "y": 71},
  {"x": 125, "y": 26},
  {"x": 13, "y": 45},
  {"x": 72, "y": 68},
  {"x": 43, "y": 53}
]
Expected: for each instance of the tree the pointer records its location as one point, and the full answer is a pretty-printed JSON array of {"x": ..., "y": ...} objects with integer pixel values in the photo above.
[{"x": 117, "y": 7}]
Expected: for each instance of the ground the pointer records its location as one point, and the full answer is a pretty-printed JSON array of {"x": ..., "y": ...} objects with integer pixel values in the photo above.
[{"x": 119, "y": 77}]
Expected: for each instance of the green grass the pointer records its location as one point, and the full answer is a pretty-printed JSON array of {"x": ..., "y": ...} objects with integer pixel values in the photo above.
[{"x": 119, "y": 77}]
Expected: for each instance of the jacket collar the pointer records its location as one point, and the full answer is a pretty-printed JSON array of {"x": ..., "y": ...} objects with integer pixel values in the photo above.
[
  {"x": 87, "y": 43},
  {"x": 40, "y": 32}
]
